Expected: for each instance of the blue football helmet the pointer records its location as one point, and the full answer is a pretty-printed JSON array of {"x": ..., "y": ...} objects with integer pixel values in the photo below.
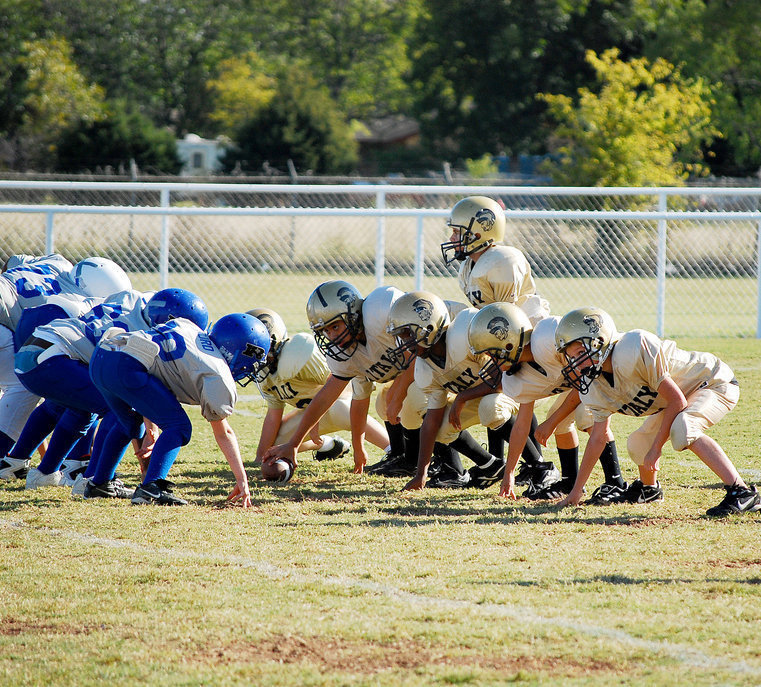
[
  {"x": 169, "y": 304},
  {"x": 244, "y": 342}
]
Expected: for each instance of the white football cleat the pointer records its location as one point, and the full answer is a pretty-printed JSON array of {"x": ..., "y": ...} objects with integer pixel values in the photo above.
[
  {"x": 13, "y": 468},
  {"x": 71, "y": 469},
  {"x": 78, "y": 488},
  {"x": 36, "y": 479}
]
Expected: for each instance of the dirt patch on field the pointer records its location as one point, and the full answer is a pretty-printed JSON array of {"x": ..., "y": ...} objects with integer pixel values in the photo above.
[
  {"x": 734, "y": 564},
  {"x": 368, "y": 658},
  {"x": 10, "y": 627}
]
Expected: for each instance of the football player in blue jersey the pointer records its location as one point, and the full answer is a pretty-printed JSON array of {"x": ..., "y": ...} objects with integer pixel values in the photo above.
[
  {"x": 62, "y": 350},
  {"x": 149, "y": 374},
  {"x": 65, "y": 290}
]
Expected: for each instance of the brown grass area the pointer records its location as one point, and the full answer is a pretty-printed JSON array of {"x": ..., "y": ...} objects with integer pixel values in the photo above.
[
  {"x": 369, "y": 658},
  {"x": 11, "y": 627}
]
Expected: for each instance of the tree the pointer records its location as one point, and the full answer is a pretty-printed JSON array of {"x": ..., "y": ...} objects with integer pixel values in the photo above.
[
  {"x": 720, "y": 42},
  {"x": 357, "y": 48},
  {"x": 114, "y": 141},
  {"x": 477, "y": 66},
  {"x": 243, "y": 88},
  {"x": 644, "y": 127},
  {"x": 301, "y": 124},
  {"x": 56, "y": 94}
]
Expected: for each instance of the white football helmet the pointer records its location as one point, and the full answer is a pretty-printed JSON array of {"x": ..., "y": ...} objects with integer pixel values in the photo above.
[
  {"x": 418, "y": 318},
  {"x": 278, "y": 336},
  {"x": 501, "y": 331},
  {"x": 329, "y": 303},
  {"x": 100, "y": 277},
  {"x": 595, "y": 329},
  {"x": 479, "y": 222}
]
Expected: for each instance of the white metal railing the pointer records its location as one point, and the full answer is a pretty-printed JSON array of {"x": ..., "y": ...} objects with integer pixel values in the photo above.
[{"x": 659, "y": 214}]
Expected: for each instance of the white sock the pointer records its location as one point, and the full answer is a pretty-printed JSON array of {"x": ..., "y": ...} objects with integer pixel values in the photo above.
[{"x": 327, "y": 444}]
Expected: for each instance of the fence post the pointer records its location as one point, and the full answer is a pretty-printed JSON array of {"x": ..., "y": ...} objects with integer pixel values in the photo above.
[
  {"x": 758, "y": 281},
  {"x": 661, "y": 267},
  {"x": 380, "y": 240},
  {"x": 164, "y": 248},
  {"x": 49, "y": 233},
  {"x": 419, "y": 255}
]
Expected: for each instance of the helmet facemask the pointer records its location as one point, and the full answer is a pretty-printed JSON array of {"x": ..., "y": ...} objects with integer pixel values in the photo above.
[
  {"x": 582, "y": 370},
  {"x": 502, "y": 360},
  {"x": 269, "y": 365},
  {"x": 341, "y": 348},
  {"x": 408, "y": 338}
]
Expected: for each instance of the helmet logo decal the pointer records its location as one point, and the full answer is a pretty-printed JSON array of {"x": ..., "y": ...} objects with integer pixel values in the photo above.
[
  {"x": 424, "y": 309},
  {"x": 498, "y": 327},
  {"x": 346, "y": 296},
  {"x": 594, "y": 323},
  {"x": 250, "y": 351},
  {"x": 486, "y": 218},
  {"x": 266, "y": 320}
]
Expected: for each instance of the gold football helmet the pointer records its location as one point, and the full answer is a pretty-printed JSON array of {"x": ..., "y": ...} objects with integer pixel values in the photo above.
[
  {"x": 278, "y": 336},
  {"x": 501, "y": 331},
  {"x": 479, "y": 222},
  {"x": 595, "y": 329},
  {"x": 418, "y": 318},
  {"x": 329, "y": 303}
]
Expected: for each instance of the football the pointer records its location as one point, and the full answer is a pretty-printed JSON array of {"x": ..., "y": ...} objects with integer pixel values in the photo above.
[{"x": 279, "y": 471}]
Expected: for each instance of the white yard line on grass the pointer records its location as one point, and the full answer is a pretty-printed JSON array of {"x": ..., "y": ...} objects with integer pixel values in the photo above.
[{"x": 687, "y": 655}]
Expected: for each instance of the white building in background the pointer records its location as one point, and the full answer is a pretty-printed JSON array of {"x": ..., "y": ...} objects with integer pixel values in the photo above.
[{"x": 200, "y": 156}]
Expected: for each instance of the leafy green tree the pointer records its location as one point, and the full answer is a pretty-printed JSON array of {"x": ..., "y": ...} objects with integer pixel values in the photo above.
[
  {"x": 301, "y": 124},
  {"x": 720, "y": 42},
  {"x": 644, "y": 127},
  {"x": 477, "y": 66},
  {"x": 56, "y": 94},
  {"x": 114, "y": 141},
  {"x": 358, "y": 48},
  {"x": 243, "y": 87}
]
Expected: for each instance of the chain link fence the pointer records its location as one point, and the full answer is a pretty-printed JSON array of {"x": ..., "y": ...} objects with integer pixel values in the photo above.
[{"x": 681, "y": 262}]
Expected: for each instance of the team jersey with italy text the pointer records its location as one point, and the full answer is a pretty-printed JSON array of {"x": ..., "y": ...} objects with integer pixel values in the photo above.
[
  {"x": 543, "y": 376},
  {"x": 460, "y": 369},
  {"x": 370, "y": 362},
  {"x": 641, "y": 361},
  {"x": 78, "y": 336},
  {"x": 301, "y": 372},
  {"x": 186, "y": 360},
  {"x": 502, "y": 275},
  {"x": 36, "y": 282}
]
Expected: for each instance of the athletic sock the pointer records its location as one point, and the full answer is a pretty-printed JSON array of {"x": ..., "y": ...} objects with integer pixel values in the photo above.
[
  {"x": 495, "y": 442},
  {"x": 610, "y": 466},
  {"x": 569, "y": 463},
  {"x": 470, "y": 448},
  {"x": 395, "y": 438},
  {"x": 447, "y": 458},
  {"x": 411, "y": 444},
  {"x": 328, "y": 443}
]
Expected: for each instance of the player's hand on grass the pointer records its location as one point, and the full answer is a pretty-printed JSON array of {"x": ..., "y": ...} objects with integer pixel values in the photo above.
[
  {"x": 360, "y": 460},
  {"x": 507, "y": 488},
  {"x": 240, "y": 495},
  {"x": 417, "y": 483},
  {"x": 573, "y": 499}
]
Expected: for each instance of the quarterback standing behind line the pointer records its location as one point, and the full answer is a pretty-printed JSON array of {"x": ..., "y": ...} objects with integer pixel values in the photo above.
[{"x": 494, "y": 273}]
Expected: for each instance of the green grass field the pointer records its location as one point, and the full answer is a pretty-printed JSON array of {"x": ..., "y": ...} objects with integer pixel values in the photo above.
[{"x": 337, "y": 579}]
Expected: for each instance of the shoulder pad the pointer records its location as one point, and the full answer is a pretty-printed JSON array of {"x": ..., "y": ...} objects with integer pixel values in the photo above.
[
  {"x": 501, "y": 260},
  {"x": 458, "y": 348},
  {"x": 296, "y": 353}
]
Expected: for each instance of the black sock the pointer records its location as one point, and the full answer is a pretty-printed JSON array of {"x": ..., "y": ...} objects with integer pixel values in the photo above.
[
  {"x": 495, "y": 442},
  {"x": 532, "y": 452},
  {"x": 395, "y": 439},
  {"x": 569, "y": 463},
  {"x": 470, "y": 448},
  {"x": 610, "y": 466},
  {"x": 411, "y": 444},
  {"x": 448, "y": 458}
]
